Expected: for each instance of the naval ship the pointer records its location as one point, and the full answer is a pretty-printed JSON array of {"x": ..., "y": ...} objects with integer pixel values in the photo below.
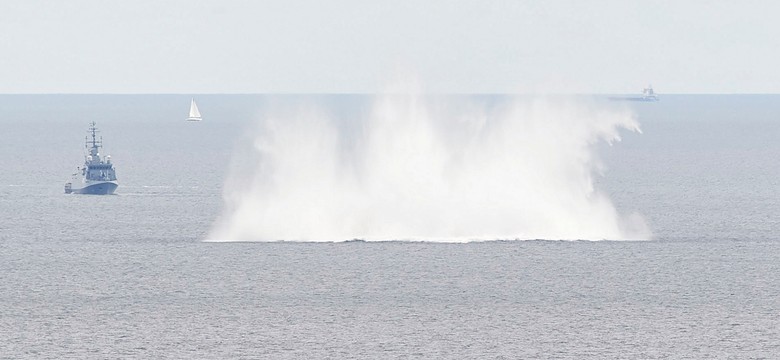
[
  {"x": 647, "y": 95},
  {"x": 98, "y": 176}
]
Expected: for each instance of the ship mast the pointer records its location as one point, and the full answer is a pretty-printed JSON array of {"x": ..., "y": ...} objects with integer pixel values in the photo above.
[{"x": 96, "y": 144}]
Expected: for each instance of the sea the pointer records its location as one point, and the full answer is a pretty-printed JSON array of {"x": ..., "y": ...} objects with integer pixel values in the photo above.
[{"x": 132, "y": 275}]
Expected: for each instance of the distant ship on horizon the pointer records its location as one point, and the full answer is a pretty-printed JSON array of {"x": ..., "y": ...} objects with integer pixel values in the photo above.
[
  {"x": 98, "y": 176},
  {"x": 647, "y": 95}
]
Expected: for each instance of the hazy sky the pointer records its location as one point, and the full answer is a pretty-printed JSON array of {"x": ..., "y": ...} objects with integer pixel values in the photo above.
[{"x": 300, "y": 46}]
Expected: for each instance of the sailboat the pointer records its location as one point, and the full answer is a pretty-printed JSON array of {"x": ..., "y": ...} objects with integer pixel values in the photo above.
[{"x": 194, "y": 113}]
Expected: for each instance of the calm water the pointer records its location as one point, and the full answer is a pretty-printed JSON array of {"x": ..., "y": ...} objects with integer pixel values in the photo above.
[{"x": 128, "y": 276}]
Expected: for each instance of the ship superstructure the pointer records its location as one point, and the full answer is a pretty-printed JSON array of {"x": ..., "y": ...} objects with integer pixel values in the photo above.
[
  {"x": 98, "y": 176},
  {"x": 649, "y": 95}
]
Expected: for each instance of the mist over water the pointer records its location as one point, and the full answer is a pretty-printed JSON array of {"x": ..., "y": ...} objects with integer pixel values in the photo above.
[{"x": 413, "y": 167}]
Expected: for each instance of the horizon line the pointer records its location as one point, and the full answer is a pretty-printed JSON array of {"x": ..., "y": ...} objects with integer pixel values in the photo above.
[{"x": 367, "y": 93}]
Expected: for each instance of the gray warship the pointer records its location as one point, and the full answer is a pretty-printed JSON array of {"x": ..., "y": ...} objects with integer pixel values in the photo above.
[
  {"x": 647, "y": 95},
  {"x": 98, "y": 176}
]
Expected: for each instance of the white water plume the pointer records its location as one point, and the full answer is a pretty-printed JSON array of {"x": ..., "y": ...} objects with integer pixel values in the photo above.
[{"x": 432, "y": 169}]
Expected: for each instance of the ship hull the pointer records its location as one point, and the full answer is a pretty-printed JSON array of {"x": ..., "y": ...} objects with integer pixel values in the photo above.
[
  {"x": 643, "y": 99},
  {"x": 100, "y": 188}
]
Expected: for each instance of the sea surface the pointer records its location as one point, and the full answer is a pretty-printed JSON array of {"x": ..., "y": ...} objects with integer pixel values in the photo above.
[{"x": 129, "y": 275}]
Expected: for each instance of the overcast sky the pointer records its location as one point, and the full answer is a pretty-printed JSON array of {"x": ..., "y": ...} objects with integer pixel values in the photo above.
[{"x": 300, "y": 46}]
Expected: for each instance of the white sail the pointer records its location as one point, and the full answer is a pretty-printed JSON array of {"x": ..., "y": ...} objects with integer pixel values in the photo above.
[{"x": 194, "y": 113}]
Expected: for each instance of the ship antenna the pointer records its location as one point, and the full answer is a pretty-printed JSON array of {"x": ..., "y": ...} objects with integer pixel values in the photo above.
[
  {"x": 92, "y": 128},
  {"x": 95, "y": 143}
]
